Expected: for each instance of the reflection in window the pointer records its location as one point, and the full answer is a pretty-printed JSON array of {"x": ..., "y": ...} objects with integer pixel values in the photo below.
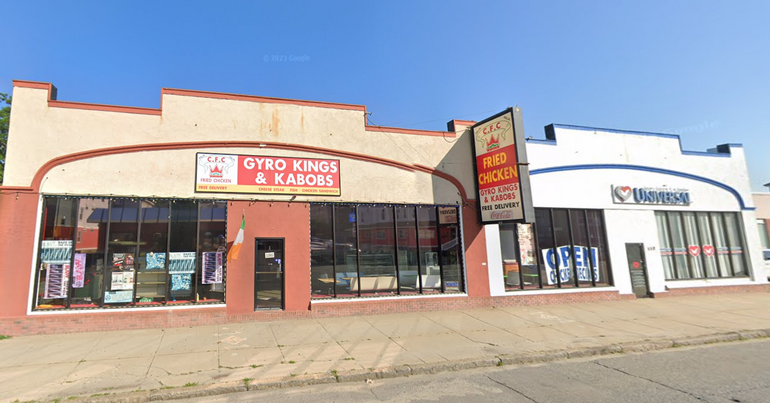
[
  {"x": 703, "y": 245},
  {"x": 123, "y": 252},
  {"x": 55, "y": 258},
  {"x": 403, "y": 250},
  {"x": 377, "y": 262},
  {"x": 565, "y": 248}
]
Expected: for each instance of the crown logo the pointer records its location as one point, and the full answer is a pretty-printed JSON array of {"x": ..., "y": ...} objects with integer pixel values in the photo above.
[
  {"x": 493, "y": 143},
  {"x": 216, "y": 171}
]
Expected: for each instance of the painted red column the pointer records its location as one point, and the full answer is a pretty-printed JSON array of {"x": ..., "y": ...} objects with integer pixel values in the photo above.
[
  {"x": 18, "y": 220},
  {"x": 475, "y": 254},
  {"x": 290, "y": 221}
]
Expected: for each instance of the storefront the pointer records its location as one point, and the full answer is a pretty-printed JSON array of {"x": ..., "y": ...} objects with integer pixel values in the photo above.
[
  {"x": 631, "y": 211},
  {"x": 223, "y": 207}
]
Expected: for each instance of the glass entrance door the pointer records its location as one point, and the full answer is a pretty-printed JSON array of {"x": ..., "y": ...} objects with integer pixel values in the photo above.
[{"x": 268, "y": 273}]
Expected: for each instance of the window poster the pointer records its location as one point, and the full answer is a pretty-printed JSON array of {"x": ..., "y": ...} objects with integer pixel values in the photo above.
[
  {"x": 122, "y": 261},
  {"x": 117, "y": 297},
  {"x": 181, "y": 282},
  {"x": 55, "y": 251},
  {"x": 181, "y": 262},
  {"x": 156, "y": 261},
  {"x": 526, "y": 244},
  {"x": 79, "y": 271},
  {"x": 122, "y": 280},
  {"x": 212, "y": 267},
  {"x": 56, "y": 280},
  {"x": 559, "y": 263}
]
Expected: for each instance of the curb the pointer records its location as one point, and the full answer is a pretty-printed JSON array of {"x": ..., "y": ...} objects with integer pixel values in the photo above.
[{"x": 527, "y": 358}]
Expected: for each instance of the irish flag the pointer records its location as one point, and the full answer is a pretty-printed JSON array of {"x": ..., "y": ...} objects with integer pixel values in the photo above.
[{"x": 236, "y": 248}]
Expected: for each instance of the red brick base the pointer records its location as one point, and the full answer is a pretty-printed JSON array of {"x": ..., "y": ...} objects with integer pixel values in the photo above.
[
  {"x": 726, "y": 289},
  {"x": 146, "y": 319},
  {"x": 378, "y": 307}
]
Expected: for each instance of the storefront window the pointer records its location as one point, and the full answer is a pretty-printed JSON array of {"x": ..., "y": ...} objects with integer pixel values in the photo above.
[
  {"x": 321, "y": 251},
  {"x": 346, "y": 250},
  {"x": 377, "y": 263},
  {"x": 88, "y": 262},
  {"x": 764, "y": 238},
  {"x": 212, "y": 241},
  {"x": 182, "y": 259},
  {"x": 701, "y": 245},
  {"x": 403, "y": 250},
  {"x": 151, "y": 262},
  {"x": 130, "y": 252},
  {"x": 55, "y": 259},
  {"x": 409, "y": 268},
  {"x": 572, "y": 251},
  {"x": 122, "y": 246}
]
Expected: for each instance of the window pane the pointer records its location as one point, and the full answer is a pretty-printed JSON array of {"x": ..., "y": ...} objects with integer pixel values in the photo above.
[
  {"x": 666, "y": 250},
  {"x": 378, "y": 251},
  {"x": 596, "y": 234},
  {"x": 407, "y": 250},
  {"x": 723, "y": 250},
  {"x": 510, "y": 263},
  {"x": 88, "y": 270},
  {"x": 694, "y": 251},
  {"x": 678, "y": 243},
  {"x": 345, "y": 246},
  {"x": 151, "y": 264},
  {"x": 321, "y": 252},
  {"x": 121, "y": 252},
  {"x": 55, "y": 257},
  {"x": 763, "y": 237},
  {"x": 213, "y": 246},
  {"x": 563, "y": 255},
  {"x": 451, "y": 257},
  {"x": 545, "y": 240},
  {"x": 182, "y": 259},
  {"x": 735, "y": 240},
  {"x": 708, "y": 251},
  {"x": 528, "y": 256},
  {"x": 429, "y": 250},
  {"x": 583, "y": 259}
]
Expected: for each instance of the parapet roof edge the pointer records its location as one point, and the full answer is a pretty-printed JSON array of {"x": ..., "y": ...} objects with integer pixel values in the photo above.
[
  {"x": 721, "y": 150},
  {"x": 52, "y": 102}
]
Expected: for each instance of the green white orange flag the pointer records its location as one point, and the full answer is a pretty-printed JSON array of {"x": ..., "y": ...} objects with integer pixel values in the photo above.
[{"x": 236, "y": 248}]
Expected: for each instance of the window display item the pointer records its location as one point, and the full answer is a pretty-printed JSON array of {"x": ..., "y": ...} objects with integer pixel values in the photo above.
[
  {"x": 212, "y": 267},
  {"x": 56, "y": 280}
]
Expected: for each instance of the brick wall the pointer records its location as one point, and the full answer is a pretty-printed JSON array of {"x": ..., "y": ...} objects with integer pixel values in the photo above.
[
  {"x": 731, "y": 289},
  {"x": 146, "y": 319}
]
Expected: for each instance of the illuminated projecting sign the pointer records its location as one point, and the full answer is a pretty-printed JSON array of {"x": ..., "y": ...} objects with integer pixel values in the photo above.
[
  {"x": 622, "y": 194},
  {"x": 225, "y": 173},
  {"x": 502, "y": 177}
]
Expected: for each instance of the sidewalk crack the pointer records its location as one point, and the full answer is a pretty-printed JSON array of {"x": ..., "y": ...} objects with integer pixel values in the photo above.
[
  {"x": 149, "y": 367},
  {"x": 651, "y": 381},
  {"x": 510, "y": 388}
]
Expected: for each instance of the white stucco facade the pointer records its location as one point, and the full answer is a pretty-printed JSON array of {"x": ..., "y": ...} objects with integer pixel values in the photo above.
[{"x": 578, "y": 168}]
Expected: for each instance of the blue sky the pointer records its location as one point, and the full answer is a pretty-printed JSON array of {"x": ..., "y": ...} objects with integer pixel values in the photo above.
[{"x": 700, "y": 69}]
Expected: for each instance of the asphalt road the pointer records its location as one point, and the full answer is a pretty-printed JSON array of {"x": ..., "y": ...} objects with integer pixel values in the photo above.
[{"x": 735, "y": 372}]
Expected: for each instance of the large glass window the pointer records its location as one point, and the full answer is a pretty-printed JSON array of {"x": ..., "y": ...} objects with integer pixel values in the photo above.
[
  {"x": 374, "y": 250},
  {"x": 377, "y": 243},
  {"x": 701, "y": 245},
  {"x": 130, "y": 252},
  {"x": 572, "y": 251},
  {"x": 55, "y": 258}
]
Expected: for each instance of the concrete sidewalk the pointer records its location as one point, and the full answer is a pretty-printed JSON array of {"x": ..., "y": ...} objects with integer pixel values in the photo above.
[{"x": 143, "y": 365}]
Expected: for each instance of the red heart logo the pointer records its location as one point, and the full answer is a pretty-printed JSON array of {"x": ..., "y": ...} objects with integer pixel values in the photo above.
[
  {"x": 694, "y": 250},
  {"x": 623, "y": 192},
  {"x": 708, "y": 250}
]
